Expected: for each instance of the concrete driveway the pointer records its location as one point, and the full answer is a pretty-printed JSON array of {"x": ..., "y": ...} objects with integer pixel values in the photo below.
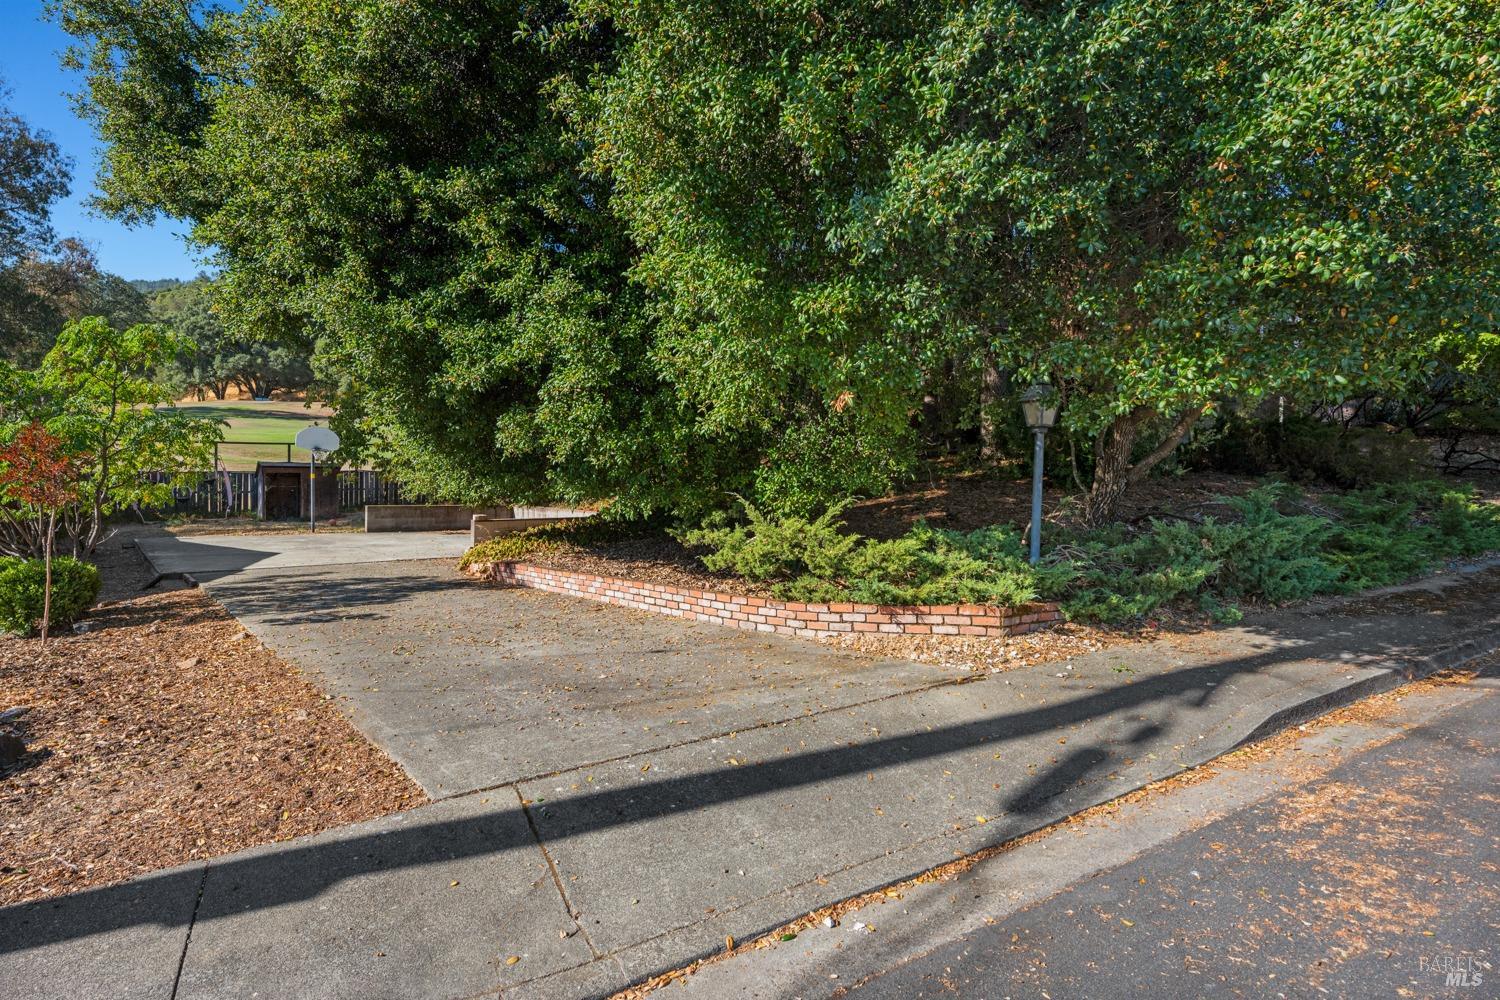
[
  {"x": 472, "y": 686},
  {"x": 206, "y": 556}
]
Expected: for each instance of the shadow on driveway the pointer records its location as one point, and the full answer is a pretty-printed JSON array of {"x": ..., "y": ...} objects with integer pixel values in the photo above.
[{"x": 302, "y": 872}]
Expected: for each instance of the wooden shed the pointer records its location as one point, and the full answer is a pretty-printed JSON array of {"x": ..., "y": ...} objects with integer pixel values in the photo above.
[{"x": 283, "y": 493}]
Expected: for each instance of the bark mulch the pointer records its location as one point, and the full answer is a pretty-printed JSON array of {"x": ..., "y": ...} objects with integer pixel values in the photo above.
[{"x": 165, "y": 734}]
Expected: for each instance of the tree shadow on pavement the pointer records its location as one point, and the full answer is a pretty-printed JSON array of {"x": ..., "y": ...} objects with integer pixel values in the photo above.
[{"x": 277, "y": 876}]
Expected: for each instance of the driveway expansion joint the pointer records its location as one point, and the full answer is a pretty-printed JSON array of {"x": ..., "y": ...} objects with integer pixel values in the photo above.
[
  {"x": 187, "y": 938},
  {"x": 573, "y": 912}
]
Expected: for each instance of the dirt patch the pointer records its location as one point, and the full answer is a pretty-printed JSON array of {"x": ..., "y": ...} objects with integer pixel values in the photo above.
[
  {"x": 1062, "y": 641},
  {"x": 166, "y": 734},
  {"x": 976, "y": 499},
  {"x": 123, "y": 571}
]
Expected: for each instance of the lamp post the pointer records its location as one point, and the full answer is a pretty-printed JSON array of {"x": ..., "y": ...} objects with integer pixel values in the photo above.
[{"x": 1039, "y": 405}]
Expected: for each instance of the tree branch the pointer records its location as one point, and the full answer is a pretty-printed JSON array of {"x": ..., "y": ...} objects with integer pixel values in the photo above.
[{"x": 1185, "y": 422}]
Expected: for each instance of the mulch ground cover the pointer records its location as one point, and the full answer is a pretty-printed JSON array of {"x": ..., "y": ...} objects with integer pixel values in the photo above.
[{"x": 165, "y": 734}]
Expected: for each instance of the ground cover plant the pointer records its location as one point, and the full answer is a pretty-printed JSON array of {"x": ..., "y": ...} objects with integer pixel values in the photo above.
[
  {"x": 1270, "y": 546},
  {"x": 572, "y": 534}
]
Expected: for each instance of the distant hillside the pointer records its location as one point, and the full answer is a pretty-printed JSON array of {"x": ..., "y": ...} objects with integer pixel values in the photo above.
[{"x": 148, "y": 285}]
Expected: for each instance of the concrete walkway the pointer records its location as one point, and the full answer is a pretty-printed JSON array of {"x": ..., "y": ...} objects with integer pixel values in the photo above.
[{"x": 617, "y": 803}]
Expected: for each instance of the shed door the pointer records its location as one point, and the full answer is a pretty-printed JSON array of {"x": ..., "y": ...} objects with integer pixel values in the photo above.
[{"x": 283, "y": 496}]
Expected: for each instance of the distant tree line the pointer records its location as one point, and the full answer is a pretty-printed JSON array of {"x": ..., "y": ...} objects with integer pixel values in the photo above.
[
  {"x": 47, "y": 283},
  {"x": 217, "y": 358}
]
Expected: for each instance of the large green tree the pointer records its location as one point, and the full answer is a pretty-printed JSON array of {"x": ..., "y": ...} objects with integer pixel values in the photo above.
[
  {"x": 653, "y": 251},
  {"x": 41, "y": 293},
  {"x": 394, "y": 177},
  {"x": 1153, "y": 205},
  {"x": 33, "y": 175}
]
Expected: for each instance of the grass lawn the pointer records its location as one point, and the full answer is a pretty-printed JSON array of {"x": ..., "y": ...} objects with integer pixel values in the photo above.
[{"x": 259, "y": 431}]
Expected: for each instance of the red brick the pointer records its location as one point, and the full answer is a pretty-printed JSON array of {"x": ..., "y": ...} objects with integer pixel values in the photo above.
[{"x": 917, "y": 629}]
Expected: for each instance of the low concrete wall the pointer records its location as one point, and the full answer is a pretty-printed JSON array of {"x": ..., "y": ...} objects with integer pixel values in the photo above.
[
  {"x": 426, "y": 517},
  {"x": 483, "y": 527}
]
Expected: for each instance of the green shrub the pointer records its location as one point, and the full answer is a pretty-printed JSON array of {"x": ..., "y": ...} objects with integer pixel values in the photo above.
[
  {"x": 1262, "y": 553},
  {"x": 815, "y": 560},
  {"x": 1391, "y": 533},
  {"x": 1306, "y": 451},
  {"x": 574, "y": 533},
  {"x": 74, "y": 586}
]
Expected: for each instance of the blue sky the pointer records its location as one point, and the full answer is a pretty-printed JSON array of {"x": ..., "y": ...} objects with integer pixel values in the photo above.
[{"x": 29, "y": 49}]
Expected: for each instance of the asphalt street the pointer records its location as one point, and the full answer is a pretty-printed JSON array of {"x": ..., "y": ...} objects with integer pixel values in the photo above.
[{"x": 1380, "y": 879}]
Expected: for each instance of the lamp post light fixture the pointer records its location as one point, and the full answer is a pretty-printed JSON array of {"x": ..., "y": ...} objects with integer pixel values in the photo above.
[{"x": 1039, "y": 405}]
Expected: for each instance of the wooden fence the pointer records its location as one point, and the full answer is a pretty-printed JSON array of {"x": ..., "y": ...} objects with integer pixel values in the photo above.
[{"x": 229, "y": 492}]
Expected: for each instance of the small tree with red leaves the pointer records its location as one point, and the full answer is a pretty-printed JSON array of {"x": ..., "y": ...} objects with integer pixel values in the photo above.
[{"x": 39, "y": 475}]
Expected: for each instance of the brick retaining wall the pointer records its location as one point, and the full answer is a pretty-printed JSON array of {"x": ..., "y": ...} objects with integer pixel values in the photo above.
[{"x": 789, "y": 618}]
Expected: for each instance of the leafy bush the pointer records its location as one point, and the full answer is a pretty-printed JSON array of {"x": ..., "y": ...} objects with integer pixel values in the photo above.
[
  {"x": 814, "y": 560},
  {"x": 1306, "y": 451},
  {"x": 574, "y": 533},
  {"x": 1263, "y": 553},
  {"x": 75, "y": 584}
]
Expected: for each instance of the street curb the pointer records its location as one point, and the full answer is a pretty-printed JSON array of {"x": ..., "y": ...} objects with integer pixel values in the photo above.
[{"x": 1394, "y": 674}]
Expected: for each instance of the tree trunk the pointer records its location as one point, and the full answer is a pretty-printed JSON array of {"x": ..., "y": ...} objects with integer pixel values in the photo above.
[
  {"x": 1111, "y": 468},
  {"x": 47, "y": 576},
  {"x": 1113, "y": 472},
  {"x": 993, "y": 386}
]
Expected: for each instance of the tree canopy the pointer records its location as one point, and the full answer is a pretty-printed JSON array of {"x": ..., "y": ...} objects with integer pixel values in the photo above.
[
  {"x": 1152, "y": 206},
  {"x": 660, "y": 252},
  {"x": 33, "y": 175},
  {"x": 40, "y": 294}
]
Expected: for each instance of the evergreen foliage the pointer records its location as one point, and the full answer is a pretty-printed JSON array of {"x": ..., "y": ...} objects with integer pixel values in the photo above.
[
  {"x": 75, "y": 584},
  {"x": 1261, "y": 554}
]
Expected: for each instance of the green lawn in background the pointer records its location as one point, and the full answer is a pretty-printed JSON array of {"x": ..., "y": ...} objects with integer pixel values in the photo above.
[{"x": 258, "y": 431}]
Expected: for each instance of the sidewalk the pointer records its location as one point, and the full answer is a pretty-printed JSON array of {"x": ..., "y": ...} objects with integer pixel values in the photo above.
[{"x": 601, "y": 875}]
